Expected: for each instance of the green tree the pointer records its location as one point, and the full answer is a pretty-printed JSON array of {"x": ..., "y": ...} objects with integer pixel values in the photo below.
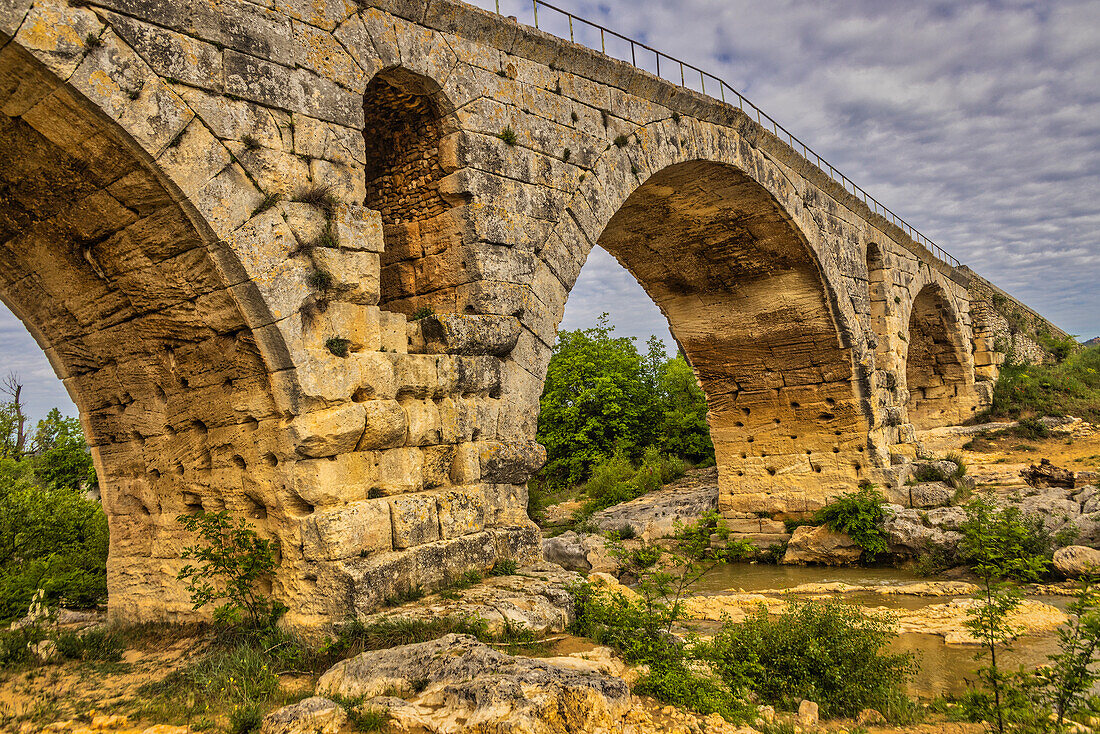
[
  {"x": 1001, "y": 545},
  {"x": 598, "y": 399},
  {"x": 684, "y": 431},
  {"x": 59, "y": 454}
]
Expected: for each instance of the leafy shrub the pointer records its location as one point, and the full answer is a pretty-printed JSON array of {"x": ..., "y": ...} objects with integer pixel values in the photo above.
[
  {"x": 232, "y": 561},
  {"x": 825, "y": 651},
  {"x": 508, "y": 135},
  {"x": 615, "y": 480},
  {"x": 738, "y": 550},
  {"x": 1005, "y": 543},
  {"x": 860, "y": 515},
  {"x": 422, "y": 312},
  {"x": 1071, "y": 387}
]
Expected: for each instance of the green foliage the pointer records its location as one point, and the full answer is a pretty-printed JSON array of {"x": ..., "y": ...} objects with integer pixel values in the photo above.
[
  {"x": 1004, "y": 543},
  {"x": 1000, "y": 544},
  {"x": 621, "y": 141},
  {"x": 245, "y": 719},
  {"x": 615, "y": 480},
  {"x": 641, "y": 628},
  {"x": 51, "y": 536},
  {"x": 825, "y": 651},
  {"x": 604, "y": 402},
  {"x": 422, "y": 312},
  {"x": 508, "y": 135},
  {"x": 232, "y": 561},
  {"x": 860, "y": 515},
  {"x": 1070, "y": 387},
  {"x": 365, "y": 718},
  {"x": 338, "y": 345},
  {"x": 99, "y": 644},
  {"x": 506, "y": 567},
  {"x": 322, "y": 280}
]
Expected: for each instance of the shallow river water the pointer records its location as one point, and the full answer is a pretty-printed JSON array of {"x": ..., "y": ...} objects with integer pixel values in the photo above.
[{"x": 944, "y": 669}]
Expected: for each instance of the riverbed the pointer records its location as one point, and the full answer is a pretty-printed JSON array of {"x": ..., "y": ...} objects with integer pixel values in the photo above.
[{"x": 945, "y": 669}]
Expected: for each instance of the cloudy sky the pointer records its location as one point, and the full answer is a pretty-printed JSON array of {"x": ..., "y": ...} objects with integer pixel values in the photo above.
[{"x": 979, "y": 122}]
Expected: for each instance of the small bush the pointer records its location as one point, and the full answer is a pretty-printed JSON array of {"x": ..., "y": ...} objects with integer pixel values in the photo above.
[
  {"x": 422, "y": 312},
  {"x": 320, "y": 197},
  {"x": 825, "y": 651},
  {"x": 928, "y": 473},
  {"x": 626, "y": 532},
  {"x": 621, "y": 141},
  {"x": 98, "y": 645},
  {"x": 860, "y": 515},
  {"x": 960, "y": 463},
  {"x": 738, "y": 550},
  {"x": 322, "y": 280},
  {"x": 338, "y": 345},
  {"x": 508, "y": 135},
  {"x": 250, "y": 142},
  {"x": 231, "y": 560},
  {"x": 365, "y": 718},
  {"x": 507, "y": 567},
  {"x": 245, "y": 719}
]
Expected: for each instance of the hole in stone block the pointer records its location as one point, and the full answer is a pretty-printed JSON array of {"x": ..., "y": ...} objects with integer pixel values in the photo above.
[
  {"x": 825, "y": 416},
  {"x": 239, "y": 462},
  {"x": 198, "y": 427},
  {"x": 251, "y": 424},
  {"x": 362, "y": 395},
  {"x": 771, "y": 471},
  {"x": 271, "y": 460}
]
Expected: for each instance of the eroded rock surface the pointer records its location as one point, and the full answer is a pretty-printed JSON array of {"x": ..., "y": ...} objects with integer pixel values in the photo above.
[
  {"x": 1076, "y": 560},
  {"x": 821, "y": 546},
  {"x": 654, "y": 515},
  {"x": 458, "y": 684},
  {"x": 536, "y": 598}
]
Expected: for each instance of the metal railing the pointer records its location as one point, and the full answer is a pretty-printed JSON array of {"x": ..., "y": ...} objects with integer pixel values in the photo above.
[{"x": 762, "y": 118}]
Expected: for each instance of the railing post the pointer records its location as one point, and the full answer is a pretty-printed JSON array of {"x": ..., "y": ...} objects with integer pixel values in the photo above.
[
  {"x": 571, "y": 29},
  {"x": 535, "y": 7}
]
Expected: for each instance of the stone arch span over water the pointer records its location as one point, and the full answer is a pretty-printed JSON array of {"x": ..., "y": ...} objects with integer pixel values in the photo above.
[{"x": 205, "y": 253}]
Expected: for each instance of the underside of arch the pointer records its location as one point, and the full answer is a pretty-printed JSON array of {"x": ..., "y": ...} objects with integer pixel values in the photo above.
[
  {"x": 938, "y": 377},
  {"x": 746, "y": 301},
  {"x": 109, "y": 273}
]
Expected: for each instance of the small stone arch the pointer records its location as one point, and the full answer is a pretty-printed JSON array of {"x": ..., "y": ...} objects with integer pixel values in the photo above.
[
  {"x": 410, "y": 143},
  {"x": 939, "y": 374}
]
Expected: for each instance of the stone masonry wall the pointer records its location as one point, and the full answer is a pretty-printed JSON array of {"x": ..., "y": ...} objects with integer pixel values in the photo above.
[{"x": 191, "y": 248}]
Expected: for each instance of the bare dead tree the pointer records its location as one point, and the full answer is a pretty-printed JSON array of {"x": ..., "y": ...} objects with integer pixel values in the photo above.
[{"x": 11, "y": 387}]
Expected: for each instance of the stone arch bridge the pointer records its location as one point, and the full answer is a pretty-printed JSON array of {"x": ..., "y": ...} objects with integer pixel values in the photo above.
[{"x": 218, "y": 216}]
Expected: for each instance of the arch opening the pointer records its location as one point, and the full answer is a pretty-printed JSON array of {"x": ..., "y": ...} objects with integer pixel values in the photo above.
[
  {"x": 114, "y": 281},
  {"x": 938, "y": 378},
  {"x": 749, "y": 307},
  {"x": 406, "y": 127}
]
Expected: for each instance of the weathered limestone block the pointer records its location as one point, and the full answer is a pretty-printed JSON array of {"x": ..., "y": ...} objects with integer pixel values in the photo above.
[
  {"x": 357, "y": 529},
  {"x": 820, "y": 545},
  {"x": 461, "y": 511},
  {"x": 415, "y": 520},
  {"x": 462, "y": 334},
  {"x": 507, "y": 463},
  {"x": 328, "y": 432},
  {"x": 1077, "y": 560},
  {"x": 314, "y": 715},
  {"x": 386, "y": 425}
]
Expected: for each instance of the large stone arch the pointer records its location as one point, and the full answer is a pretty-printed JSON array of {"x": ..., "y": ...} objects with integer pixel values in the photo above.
[
  {"x": 131, "y": 295},
  {"x": 938, "y": 367},
  {"x": 790, "y": 421}
]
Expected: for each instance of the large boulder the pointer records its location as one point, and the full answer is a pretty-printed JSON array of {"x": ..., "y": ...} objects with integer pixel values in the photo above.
[
  {"x": 821, "y": 546},
  {"x": 912, "y": 533},
  {"x": 654, "y": 515},
  {"x": 1077, "y": 560},
  {"x": 456, "y": 683},
  {"x": 579, "y": 552}
]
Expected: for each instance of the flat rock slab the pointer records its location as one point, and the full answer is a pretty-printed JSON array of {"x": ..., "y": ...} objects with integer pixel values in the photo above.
[
  {"x": 536, "y": 598},
  {"x": 457, "y": 684},
  {"x": 654, "y": 515}
]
